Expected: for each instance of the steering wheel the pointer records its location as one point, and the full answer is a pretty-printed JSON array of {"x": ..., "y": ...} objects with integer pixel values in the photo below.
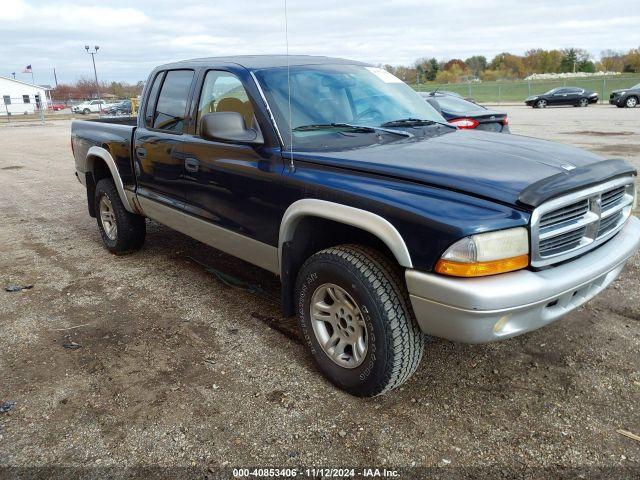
[{"x": 371, "y": 113}]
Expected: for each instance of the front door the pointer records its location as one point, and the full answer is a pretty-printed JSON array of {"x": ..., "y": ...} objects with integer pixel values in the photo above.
[
  {"x": 560, "y": 97},
  {"x": 232, "y": 185},
  {"x": 158, "y": 153}
]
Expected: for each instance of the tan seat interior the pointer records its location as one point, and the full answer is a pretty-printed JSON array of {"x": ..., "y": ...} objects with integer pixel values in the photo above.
[{"x": 231, "y": 104}]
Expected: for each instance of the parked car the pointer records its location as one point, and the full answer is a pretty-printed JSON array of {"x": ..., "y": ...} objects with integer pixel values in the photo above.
[
  {"x": 91, "y": 106},
  {"x": 120, "y": 108},
  {"x": 383, "y": 222},
  {"x": 578, "y": 97},
  {"x": 465, "y": 114},
  {"x": 629, "y": 97},
  {"x": 57, "y": 106}
]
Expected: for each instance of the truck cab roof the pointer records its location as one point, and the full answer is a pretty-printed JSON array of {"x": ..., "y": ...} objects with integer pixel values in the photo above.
[{"x": 259, "y": 62}]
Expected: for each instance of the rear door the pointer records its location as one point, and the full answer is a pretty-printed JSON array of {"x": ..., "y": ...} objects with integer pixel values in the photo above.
[
  {"x": 573, "y": 95},
  {"x": 158, "y": 154}
]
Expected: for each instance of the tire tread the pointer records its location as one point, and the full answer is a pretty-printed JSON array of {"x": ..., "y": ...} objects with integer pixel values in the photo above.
[{"x": 385, "y": 279}]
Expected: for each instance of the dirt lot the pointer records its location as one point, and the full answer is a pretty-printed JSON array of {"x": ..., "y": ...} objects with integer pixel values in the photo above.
[{"x": 177, "y": 368}]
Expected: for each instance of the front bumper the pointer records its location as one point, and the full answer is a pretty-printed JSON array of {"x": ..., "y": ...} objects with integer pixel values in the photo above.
[{"x": 479, "y": 310}]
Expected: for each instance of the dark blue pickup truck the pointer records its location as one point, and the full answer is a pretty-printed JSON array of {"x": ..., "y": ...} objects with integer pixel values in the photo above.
[{"x": 384, "y": 223}]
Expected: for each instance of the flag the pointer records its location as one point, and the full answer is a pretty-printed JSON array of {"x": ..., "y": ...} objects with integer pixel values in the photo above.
[{"x": 27, "y": 69}]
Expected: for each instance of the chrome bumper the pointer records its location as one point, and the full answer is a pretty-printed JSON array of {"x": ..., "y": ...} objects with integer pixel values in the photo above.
[{"x": 479, "y": 310}]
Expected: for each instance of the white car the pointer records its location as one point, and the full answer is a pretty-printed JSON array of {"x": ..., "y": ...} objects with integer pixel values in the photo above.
[{"x": 91, "y": 106}]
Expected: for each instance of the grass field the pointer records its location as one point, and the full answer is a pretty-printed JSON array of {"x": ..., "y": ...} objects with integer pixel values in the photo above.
[{"x": 509, "y": 92}]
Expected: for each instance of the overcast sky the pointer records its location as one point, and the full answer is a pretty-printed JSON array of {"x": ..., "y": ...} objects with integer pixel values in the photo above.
[{"x": 134, "y": 36}]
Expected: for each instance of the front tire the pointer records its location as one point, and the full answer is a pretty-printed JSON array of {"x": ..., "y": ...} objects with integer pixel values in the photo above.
[
  {"x": 541, "y": 104},
  {"x": 121, "y": 231},
  {"x": 631, "y": 102},
  {"x": 86, "y": 111},
  {"x": 356, "y": 320}
]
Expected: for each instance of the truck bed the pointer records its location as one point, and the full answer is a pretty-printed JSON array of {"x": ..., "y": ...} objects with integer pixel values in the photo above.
[{"x": 113, "y": 134}]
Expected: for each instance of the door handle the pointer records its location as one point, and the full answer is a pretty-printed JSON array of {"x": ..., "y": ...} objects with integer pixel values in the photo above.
[
  {"x": 141, "y": 152},
  {"x": 191, "y": 164}
]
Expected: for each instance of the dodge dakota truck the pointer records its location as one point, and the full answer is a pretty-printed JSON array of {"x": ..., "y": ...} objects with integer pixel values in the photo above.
[{"x": 384, "y": 223}]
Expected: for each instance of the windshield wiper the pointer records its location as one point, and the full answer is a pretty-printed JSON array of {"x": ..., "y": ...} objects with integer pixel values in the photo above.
[
  {"x": 409, "y": 122},
  {"x": 355, "y": 128}
]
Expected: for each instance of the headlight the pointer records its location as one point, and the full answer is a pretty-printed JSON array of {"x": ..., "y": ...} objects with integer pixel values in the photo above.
[
  {"x": 486, "y": 254},
  {"x": 621, "y": 93}
]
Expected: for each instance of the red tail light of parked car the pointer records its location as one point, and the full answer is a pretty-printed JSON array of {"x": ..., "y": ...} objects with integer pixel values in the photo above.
[{"x": 464, "y": 123}]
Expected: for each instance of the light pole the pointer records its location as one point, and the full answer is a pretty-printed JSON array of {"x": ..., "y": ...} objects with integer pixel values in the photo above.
[{"x": 95, "y": 73}]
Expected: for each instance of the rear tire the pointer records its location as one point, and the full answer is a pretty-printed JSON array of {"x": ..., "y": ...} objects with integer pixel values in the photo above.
[
  {"x": 121, "y": 231},
  {"x": 583, "y": 102},
  {"x": 356, "y": 320}
]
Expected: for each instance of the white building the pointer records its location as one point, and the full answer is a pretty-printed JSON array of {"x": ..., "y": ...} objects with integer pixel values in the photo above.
[{"x": 20, "y": 98}]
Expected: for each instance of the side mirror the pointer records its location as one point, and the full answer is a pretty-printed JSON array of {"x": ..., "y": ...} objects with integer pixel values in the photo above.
[{"x": 229, "y": 127}]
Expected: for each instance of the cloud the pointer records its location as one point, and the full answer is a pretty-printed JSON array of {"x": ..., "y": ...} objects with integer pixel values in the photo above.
[{"x": 135, "y": 36}]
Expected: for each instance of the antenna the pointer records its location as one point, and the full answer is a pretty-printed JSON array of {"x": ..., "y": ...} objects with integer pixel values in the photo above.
[{"x": 286, "y": 36}]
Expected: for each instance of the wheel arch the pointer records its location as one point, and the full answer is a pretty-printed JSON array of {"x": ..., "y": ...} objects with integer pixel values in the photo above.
[
  {"x": 100, "y": 164},
  {"x": 333, "y": 224}
]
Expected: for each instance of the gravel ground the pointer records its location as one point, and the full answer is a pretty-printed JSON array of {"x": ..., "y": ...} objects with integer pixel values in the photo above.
[{"x": 170, "y": 366}]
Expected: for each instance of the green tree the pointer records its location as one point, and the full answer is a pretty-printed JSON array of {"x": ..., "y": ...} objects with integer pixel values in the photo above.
[
  {"x": 577, "y": 60},
  {"x": 477, "y": 64},
  {"x": 432, "y": 69}
]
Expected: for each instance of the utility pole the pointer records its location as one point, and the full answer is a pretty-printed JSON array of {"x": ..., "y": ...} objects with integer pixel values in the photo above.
[
  {"x": 95, "y": 73},
  {"x": 55, "y": 77}
]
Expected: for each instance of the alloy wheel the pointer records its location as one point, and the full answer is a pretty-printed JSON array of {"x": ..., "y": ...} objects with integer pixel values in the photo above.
[
  {"x": 339, "y": 325},
  {"x": 108, "y": 218}
]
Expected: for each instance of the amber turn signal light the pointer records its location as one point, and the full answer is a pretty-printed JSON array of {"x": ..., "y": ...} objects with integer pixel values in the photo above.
[{"x": 481, "y": 269}]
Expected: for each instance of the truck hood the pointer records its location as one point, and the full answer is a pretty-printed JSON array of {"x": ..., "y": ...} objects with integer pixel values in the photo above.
[{"x": 485, "y": 164}]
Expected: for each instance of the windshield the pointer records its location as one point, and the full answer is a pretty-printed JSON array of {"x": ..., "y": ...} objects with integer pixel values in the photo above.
[
  {"x": 635, "y": 87},
  {"x": 457, "y": 105},
  {"x": 339, "y": 94}
]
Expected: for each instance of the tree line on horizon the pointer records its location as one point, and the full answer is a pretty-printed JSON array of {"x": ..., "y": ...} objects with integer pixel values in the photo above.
[
  {"x": 508, "y": 66},
  {"x": 84, "y": 88}
]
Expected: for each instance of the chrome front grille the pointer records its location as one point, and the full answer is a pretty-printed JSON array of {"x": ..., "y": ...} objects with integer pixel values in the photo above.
[{"x": 571, "y": 225}]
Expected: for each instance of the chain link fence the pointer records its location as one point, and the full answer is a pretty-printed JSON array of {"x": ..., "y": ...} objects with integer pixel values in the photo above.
[
  {"x": 516, "y": 92},
  {"x": 25, "y": 108}
]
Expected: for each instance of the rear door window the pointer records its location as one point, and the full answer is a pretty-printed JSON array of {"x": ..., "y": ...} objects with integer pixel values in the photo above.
[
  {"x": 171, "y": 108},
  {"x": 151, "y": 100}
]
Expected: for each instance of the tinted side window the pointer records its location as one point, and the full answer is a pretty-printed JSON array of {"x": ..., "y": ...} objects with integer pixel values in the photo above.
[
  {"x": 172, "y": 102},
  {"x": 151, "y": 100}
]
